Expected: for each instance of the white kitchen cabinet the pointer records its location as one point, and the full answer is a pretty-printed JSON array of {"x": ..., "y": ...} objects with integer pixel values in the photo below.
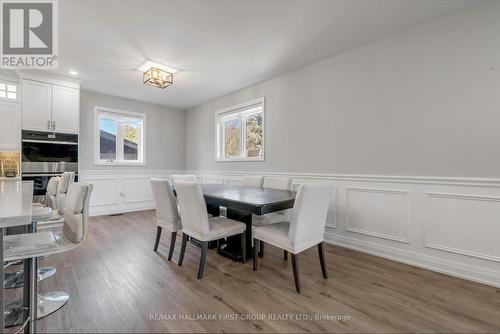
[
  {"x": 10, "y": 126},
  {"x": 36, "y": 105},
  {"x": 65, "y": 109},
  {"x": 50, "y": 105}
]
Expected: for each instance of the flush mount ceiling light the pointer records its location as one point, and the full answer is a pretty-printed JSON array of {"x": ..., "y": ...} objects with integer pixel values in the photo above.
[
  {"x": 158, "y": 78},
  {"x": 157, "y": 75}
]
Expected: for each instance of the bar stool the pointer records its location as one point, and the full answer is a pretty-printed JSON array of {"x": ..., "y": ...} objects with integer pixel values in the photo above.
[
  {"x": 46, "y": 216},
  {"x": 39, "y": 244}
]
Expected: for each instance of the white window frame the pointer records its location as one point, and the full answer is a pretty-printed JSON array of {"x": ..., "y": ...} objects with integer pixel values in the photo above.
[
  {"x": 11, "y": 83},
  {"x": 124, "y": 113},
  {"x": 238, "y": 111}
]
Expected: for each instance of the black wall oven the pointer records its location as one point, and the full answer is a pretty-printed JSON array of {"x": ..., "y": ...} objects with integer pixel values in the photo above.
[{"x": 47, "y": 154}]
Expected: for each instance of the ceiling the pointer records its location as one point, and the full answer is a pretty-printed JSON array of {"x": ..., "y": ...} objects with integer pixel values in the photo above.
[{"x": 219, "y": 46}]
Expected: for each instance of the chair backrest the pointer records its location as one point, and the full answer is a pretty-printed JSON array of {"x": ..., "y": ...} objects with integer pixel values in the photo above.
[
  {"x": 182, "y": 177},
  {"x": 50, "y": 196},
  {"x": 193, "y": 210},
  {"x": 309, "y": 212},
  {"x": 253, "y": 181},
  {"x": 280, "y": 183},
  {"x": 76, "y": 212},
  {"x": 65, "y": 180},
  {"x": 165, "y": 203}
]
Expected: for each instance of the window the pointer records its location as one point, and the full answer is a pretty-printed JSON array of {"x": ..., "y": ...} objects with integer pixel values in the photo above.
[
  {"x": 8, "y": 91},
  {"x": 119, "y": 137},
  {"x": 240, "y": 132}
]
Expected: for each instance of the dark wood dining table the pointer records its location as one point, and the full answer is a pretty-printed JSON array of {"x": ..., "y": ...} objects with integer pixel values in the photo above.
[{"x": 240, "y": 203}]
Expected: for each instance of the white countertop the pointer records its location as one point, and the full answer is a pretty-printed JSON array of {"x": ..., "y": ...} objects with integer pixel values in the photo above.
[{"x": 16, "y": 199}]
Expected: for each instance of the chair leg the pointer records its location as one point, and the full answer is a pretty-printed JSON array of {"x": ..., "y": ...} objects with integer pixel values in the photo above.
[
  {"x": 183, "y": 248},
  {"x": 285, "y": 255},
  {"x": 173, "y": 236},
  {"x": 321, "y": 252},
  {"x": 243, "y": 247},
  {"x": 158, "y": 234},
  {"x": 261, "y": 249},
  {"x": 255, "y": 254},
  {"x": 296, "y": 276},
  {"x": 204, "y": 250}
]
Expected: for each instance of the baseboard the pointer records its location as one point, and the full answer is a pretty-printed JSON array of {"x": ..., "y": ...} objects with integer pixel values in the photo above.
[{"x": 440, "y": 265}]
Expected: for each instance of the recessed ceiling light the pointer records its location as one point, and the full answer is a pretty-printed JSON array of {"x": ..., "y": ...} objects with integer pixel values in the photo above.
[
  {"x": 147, "y": 65},
  {"x": 73, "y": 72}
]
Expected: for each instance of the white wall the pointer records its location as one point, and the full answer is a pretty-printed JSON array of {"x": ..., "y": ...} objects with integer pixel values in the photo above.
[
  {"x": 165, "y": 132},
  {"x": 408, "y": 131},
  {"x": 126, "y": 188},
  {"x": 424, "y": 102}
]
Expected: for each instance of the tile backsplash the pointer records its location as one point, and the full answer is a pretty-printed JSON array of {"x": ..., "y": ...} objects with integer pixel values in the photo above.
[{"x": 9, "y": 161}]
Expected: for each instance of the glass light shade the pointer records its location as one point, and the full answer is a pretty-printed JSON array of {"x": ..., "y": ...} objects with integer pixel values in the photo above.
[{"x": 158, "y": 78}]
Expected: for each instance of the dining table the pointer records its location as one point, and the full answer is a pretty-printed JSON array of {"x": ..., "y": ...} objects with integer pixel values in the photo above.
[
  {"x": 16, "y": 198},
  {"x": 240, "y": 203}
]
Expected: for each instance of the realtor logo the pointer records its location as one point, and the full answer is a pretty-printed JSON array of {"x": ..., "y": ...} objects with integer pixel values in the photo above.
[{"x": 29, "y": 34}]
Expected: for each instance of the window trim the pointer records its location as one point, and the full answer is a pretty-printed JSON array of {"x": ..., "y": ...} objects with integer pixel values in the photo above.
[
  {"x": 234, "y": 109},
  {"x": 11, "y": 83},
  {"x": 120, "y": 112}
]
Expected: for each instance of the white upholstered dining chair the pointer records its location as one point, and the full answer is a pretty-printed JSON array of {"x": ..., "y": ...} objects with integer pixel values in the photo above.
[
  {"x": 40, "y": 244},
  {"x": 166, "y": 212},
  {"x": 306, "y": 228},
  {"x": 280, "y": 183},
  {"x": 182, "y": 177},
  {"x": 196, "y": 223},
  {"x": 253, "y": 181}
]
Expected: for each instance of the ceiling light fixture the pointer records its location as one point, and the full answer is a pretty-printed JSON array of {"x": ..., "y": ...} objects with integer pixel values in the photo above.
[{"x": 158, "y": 78}]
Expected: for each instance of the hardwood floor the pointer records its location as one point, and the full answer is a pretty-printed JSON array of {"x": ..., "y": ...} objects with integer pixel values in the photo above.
[{"x": 117, "y": 283}]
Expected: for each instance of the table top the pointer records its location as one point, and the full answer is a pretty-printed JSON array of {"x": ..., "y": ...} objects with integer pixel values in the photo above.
[
  {"x": 255, "y": 200},
  {"x": 16, "y": 198}
]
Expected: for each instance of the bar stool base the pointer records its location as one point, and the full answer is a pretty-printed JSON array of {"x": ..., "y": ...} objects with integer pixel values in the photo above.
[
  {"x": 15, "y": 280},
  {"x": 48, "y": 303}
]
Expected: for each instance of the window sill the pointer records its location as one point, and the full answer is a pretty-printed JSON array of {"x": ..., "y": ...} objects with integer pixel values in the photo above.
[
  {"x": 241, "y": 160},
  {"x": 119, "y": 163}
]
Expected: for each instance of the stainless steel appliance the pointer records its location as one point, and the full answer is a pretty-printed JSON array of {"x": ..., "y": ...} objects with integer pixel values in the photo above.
[{"x": 44, "y": 155}]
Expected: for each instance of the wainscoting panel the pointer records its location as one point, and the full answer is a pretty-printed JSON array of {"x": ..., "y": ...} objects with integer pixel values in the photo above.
[
  {"x": 464, "y": 224},
  {"x": 423, "y": 221},
  {"x": 119, "y": 191},
  {"x": 380, "y": 213}
]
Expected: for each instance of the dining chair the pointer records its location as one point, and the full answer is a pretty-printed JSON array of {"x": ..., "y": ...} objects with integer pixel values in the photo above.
[
  {"x": 253, "y": 181},
  {"x": 279, "y": 183},
  {"x": 166, "y": 212},
  {"x": 41, "y": 244},
  {"x": 196, "y": 224},
  {"x": 182, "y": 177},
  {"x": 306, "y": 228}
]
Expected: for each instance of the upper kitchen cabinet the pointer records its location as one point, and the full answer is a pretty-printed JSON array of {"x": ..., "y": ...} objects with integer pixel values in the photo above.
[
  {"x": 65, "y": 109},
  {"x": 50, "y": 105},
  {"x": 36, "y": 107}
]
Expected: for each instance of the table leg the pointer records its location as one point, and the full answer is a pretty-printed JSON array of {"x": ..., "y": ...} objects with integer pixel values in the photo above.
[{"x": 233, "y": 245}]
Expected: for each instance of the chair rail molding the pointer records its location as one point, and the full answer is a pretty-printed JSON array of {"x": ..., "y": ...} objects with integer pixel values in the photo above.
[{"x": 444, "y": 224}]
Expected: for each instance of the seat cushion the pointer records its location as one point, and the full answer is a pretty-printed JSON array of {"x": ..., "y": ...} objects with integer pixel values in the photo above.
[
  {"x": 172, "y": 225},
  {"x": 41, "y": 213},
  {"x": 220, "y": 227},
  {"x": 277, "y": 235},
  {"x": 23, "y": 246}
]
